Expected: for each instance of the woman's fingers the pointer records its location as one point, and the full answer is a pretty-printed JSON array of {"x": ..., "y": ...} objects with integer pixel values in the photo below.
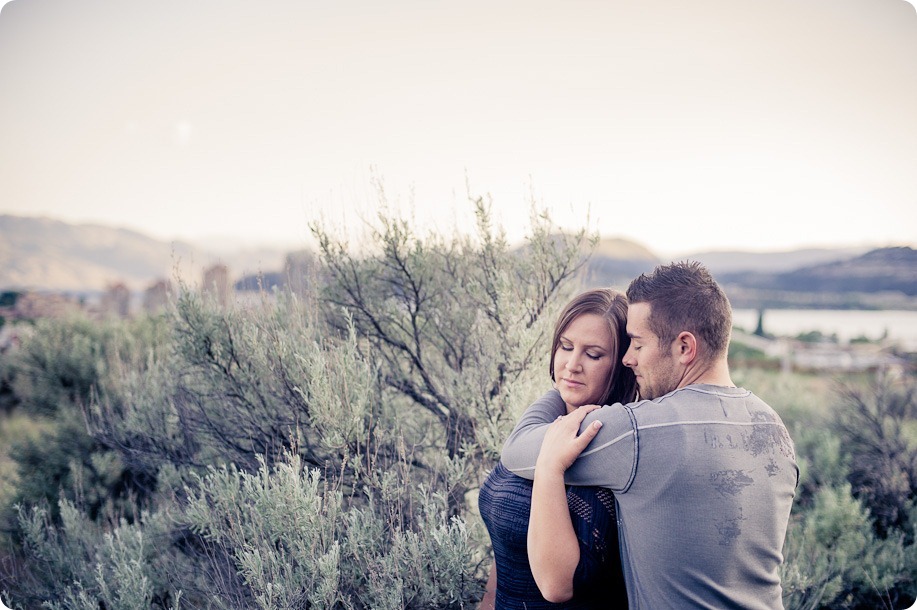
[
  {"x": 573, "y": 421},
  {"x": 586, "y": 436},
  {"x": 580, "y": 414},
  {"x": 563, "y": 441}
]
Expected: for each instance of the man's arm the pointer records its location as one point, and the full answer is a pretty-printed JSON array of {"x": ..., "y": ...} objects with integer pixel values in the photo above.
[
  {"x": 608, "y": 460},
  {"x": 522, "y": 447}
]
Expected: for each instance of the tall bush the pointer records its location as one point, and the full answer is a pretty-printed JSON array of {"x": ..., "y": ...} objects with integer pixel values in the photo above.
[
  {"x": 315, "y": 450},
  {"x": 852, "y": 540},
  {"x": 61, "y": 367},
  {"x": 877, "y": 425},
  {"x": 458, "y": 326}
]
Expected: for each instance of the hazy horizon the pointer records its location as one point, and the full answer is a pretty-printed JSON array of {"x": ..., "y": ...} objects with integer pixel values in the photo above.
[
  {"x": 711, "y": 126},
  {"x": 234, "y": 243}
]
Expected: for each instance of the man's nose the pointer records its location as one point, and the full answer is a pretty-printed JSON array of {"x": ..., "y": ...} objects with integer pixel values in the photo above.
[{"x": 628, "y": 359}]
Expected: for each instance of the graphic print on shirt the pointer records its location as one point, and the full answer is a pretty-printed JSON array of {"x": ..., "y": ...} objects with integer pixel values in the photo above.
[
  {"x": 768, "y": 437},
  {"x": 730, "y": 482},
  {"x": 728, "y": 528}
]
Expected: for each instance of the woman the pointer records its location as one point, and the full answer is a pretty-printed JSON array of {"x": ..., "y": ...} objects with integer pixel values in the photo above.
[{"x": 585, "y": 365}]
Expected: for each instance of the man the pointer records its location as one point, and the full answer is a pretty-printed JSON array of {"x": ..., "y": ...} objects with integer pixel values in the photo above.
[{"x": 704, "y": 473}]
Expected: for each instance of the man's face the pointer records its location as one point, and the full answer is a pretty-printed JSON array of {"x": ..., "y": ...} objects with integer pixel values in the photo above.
[{"x": 655, "y": 366}]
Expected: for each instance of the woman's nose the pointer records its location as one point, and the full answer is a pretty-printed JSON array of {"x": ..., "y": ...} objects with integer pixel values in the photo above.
[{"x": 574, "y": 363}]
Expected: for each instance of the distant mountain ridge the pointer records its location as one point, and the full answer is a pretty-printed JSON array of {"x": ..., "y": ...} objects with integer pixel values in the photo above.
[
  {"x": 881, "y": 270},
  {"x": 724, "y": 262},
  {"x": 846, "y": 278},
  {"x": 44, "y": 254},
  {"x": 616, "y": 261}
]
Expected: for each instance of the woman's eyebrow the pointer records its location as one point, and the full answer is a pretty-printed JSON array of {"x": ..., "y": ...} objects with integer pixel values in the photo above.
[{"x": 601, "y": 347}]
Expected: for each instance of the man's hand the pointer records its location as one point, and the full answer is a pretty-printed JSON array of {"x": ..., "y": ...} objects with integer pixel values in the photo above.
[{"x": 563, "y": 443}]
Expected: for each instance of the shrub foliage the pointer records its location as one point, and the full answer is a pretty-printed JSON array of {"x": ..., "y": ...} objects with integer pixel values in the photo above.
[
  {"x": 321, "y": 449},
  {"x": 852, "y": 541},
  {"x": 317, "y": 450}
]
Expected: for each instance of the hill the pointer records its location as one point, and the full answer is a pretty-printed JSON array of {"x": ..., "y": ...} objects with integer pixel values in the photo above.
[
  {"x": 882, "y": 270},
  {"x": 45, "y": 254},
  {"x": 616, "y": 261},
  {"x": 725, "y": 262},
  {"x": 881, "y": 278},
  {"x": 844, "y": 278}
]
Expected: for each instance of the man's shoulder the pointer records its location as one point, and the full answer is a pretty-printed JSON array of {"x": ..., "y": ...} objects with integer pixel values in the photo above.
[
  {"x": 707, "y": 392},
  {"x": 697, "y": 392},
  {"x": 698, "y": 399}
]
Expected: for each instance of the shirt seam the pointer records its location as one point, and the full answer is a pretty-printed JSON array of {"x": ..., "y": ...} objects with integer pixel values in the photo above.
[
  {"x": 708, "y": 422},
  {"x": 713, "y": 392}
]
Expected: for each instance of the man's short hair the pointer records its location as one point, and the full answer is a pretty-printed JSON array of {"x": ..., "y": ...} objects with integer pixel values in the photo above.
[{"x": 683, "y": 296}]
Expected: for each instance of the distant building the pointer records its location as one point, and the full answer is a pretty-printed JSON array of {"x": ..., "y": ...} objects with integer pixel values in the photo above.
[
  {"x": 117, "y": 300},
  {"x": 34, "y": 305},
  {"x": 216, "y": 284},
  {"x": 156, "y": 297}
]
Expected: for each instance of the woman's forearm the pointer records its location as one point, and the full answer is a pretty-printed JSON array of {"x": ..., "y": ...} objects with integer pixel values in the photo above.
[
  {"x": 552, "y": 545},
  {"x": 553, "y": 548}
]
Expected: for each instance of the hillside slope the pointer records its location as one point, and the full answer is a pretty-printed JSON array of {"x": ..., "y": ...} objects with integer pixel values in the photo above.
[
  {"x": 616, "y": 261},
  {"x": 881, "y": 270},
  {"x": 46, "y": 254}
]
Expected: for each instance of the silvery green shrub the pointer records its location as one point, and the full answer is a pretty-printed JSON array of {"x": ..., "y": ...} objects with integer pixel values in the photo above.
[
  {"x": 852, "y": 540},
  {"x": 321, "y": 448}
]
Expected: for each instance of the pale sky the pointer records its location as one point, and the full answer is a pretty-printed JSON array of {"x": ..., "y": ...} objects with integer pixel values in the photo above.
[{"x": 710, "y": 124}]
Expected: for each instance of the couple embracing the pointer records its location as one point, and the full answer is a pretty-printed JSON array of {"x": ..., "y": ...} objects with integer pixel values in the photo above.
[{"x": 674, "y": 494}]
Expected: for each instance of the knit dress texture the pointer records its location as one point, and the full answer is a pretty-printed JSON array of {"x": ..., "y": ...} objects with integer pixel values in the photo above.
[{"x": 505, "y": 503}]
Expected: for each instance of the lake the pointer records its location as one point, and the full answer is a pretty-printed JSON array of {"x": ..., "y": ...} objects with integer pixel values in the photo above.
[{"x": 901, "y": 326}]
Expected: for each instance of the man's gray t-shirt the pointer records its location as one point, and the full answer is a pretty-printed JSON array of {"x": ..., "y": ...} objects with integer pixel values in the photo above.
[{"x": 704, "y": 479}]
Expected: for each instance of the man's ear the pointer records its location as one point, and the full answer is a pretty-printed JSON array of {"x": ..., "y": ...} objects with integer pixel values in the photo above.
[{"x": 686, "y": 347}]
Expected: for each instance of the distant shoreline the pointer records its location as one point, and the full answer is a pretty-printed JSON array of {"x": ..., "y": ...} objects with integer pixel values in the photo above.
[{"x": 898, "y": 326}]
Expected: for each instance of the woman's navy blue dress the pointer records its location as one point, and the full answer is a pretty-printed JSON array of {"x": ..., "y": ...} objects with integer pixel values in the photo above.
[{"x": 505, "y": 502}]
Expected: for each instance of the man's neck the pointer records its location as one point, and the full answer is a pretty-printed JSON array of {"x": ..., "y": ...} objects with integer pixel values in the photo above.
[{"x": 713, "y": 373}]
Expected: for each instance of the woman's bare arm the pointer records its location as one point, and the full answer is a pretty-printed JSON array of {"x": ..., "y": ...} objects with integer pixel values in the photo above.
[{"x": 552, "y": 545}]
